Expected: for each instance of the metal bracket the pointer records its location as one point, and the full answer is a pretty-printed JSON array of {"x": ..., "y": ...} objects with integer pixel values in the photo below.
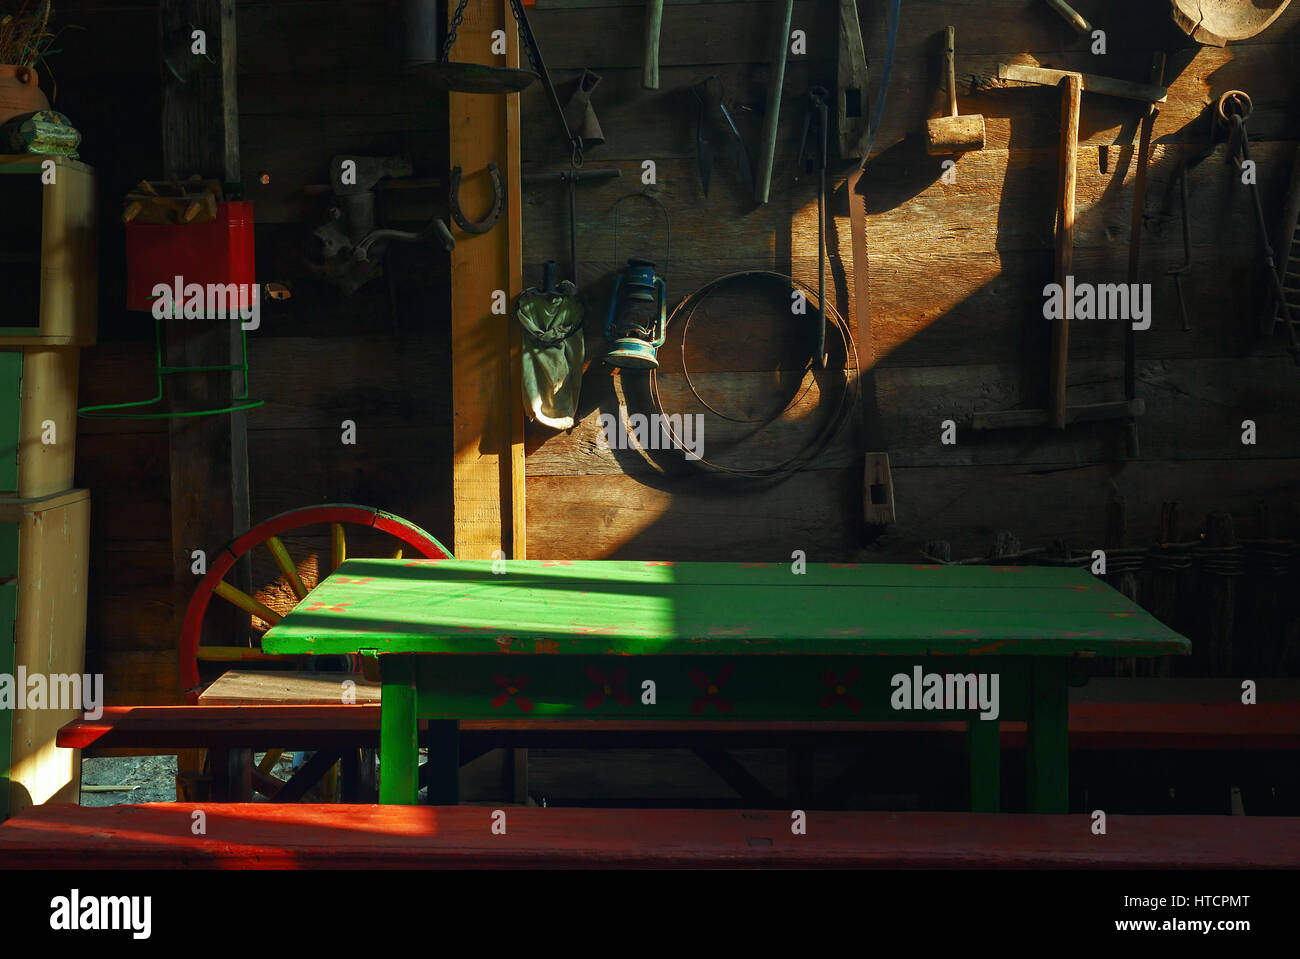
[{"x": 498, "y": 201}]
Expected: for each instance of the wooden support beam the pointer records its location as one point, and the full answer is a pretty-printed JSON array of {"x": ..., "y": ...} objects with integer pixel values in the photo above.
[
  {"x": 209, "y": 454},
  {"x": 488, "y": 455}
]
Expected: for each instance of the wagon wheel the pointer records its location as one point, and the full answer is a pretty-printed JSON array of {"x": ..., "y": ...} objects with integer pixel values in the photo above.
[{"x": 336, "y": 517}]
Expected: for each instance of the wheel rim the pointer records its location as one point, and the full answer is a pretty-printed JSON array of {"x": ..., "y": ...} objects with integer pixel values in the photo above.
[{"x": 338, "y": 516}]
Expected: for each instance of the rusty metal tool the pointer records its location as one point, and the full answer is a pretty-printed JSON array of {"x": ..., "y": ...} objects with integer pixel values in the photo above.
[
  {"x": 1288, "y": 260},
  {"x": 1135, "y": 246},
  {"x": 1234, "y": 110},
  {"x": 818, "y": 113}
]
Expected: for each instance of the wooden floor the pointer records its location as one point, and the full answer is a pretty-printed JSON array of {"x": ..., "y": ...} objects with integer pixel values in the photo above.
[{"x": 61, "y": 836}]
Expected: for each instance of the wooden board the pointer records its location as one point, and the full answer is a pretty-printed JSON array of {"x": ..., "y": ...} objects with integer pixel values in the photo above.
[
  {"x": 49, "y": 636},
  {"x": 271, "y": 835},
  {"x": 586, "y": 608},
  {"x": 68, "y": 244},
  {"x": 488, "y": 460}
]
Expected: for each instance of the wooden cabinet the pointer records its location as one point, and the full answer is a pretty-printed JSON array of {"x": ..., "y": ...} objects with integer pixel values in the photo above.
[
  {"x": 48, "y": 246},
  {"x": 44, "y": 545},
  {"x": 38, "y": 420}
]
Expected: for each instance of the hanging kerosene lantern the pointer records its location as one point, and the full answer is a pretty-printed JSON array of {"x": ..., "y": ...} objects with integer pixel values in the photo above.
[
  {"x": 637, "y": 323},
  {"x": 638, "y": 317}
]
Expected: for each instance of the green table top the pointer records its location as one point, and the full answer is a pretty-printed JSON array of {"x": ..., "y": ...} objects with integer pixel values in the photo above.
[{"x": 631, "y": 607}]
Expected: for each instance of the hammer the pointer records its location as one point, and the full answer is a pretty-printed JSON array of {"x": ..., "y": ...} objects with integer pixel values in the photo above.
[{"x": 953, "y": 134}]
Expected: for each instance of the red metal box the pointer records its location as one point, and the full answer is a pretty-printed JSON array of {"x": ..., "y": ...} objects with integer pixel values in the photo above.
[{"x": 218, "y": 252}]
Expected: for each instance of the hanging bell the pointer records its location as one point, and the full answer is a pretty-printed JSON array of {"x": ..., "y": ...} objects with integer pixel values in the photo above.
[
  {"x": 638, "y": 317},
  {"x": 579, "y": 115}
]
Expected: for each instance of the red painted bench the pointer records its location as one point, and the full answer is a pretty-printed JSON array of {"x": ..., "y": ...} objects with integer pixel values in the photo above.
[
  {"x": 1093, "y": 726},
  {"x": 263, "y": 835},
  {"x": 339, "y": 731}
]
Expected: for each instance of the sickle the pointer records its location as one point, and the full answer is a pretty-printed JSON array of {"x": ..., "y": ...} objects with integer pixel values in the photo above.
[{"x": 498, "y": 202}]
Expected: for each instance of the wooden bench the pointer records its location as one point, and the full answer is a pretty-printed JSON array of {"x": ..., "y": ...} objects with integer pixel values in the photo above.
[
  {"x": 338, "y": 731},
  {"x": 262, "y": 836}
]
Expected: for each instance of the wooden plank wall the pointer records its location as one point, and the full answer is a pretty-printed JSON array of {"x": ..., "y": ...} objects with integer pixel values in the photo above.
[
  {"x": 315, "y": 80},
  {"x": 957, "y": 272},
  {"x": 955, "y": 280}
]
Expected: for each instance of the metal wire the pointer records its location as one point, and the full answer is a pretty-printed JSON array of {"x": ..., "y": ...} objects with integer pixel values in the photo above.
[{"x": 829, "y": 430}]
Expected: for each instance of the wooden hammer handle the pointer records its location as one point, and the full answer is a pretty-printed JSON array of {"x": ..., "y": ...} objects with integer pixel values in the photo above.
[
  {"x": 654, "y": 16},
  {"x": 950, "y": 67}
]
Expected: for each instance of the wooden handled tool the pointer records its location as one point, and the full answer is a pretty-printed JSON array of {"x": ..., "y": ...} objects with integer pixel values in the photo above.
[
  {"x": 772, "y": 116},
  {"x": 953, "y": 133},
  {"x": 654, "y": 18},
  {"x": 1071, "y": 97}
]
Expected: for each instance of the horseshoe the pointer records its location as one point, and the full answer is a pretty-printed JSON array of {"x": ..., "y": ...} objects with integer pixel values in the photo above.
[{"x": 498, "y": 201}]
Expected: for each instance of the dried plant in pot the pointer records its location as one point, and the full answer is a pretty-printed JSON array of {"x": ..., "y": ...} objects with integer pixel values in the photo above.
[{"x": 25, "y": 40}]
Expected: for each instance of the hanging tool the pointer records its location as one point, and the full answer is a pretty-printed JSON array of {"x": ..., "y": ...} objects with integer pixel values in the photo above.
[
  {"x": 818, "y": 111},
  {"x": 709, "y": 106},
  {"x": 851, "y": 77},
  {"x": 1070, "y": 15},
  {"x": 1072, "y": 86},
  {"x": 772, "y": 115},
  {"x": 1234, "y": 110},
  {"x": 877, "y": 481},
  {"x": 572, "y": 177},
  {"x": 1135, "y": 246},
  {"x": 579, "y": 117},
  {"x": 953, "y": 133},
  {"x": 448, "y": 74},
  {"x": 895, "y": 15},
  {"x": 1178, "y": 271},
  {"x": 1106, "y": 86},
  {"x": 654, "y": 18},
  {"x": 1288, "y": 262},
  {"x": 1071, "y": 97}
]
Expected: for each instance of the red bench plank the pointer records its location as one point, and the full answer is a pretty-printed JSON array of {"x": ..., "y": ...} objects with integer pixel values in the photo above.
[
  {"x": 1096, "y": 726},
  {"x": 260, "y": 835}
]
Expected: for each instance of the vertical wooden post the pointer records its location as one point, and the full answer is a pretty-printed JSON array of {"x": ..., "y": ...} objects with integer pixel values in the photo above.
[
  {"x": 208, "y": 455},
  {"x": 488, "y": 411},
  {"x": 488, "y": 459}
]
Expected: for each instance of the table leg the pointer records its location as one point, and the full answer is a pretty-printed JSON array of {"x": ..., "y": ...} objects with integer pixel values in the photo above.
[
  {"x": 984, "y": 755},
  {"x": 399, "y": 753},
  {"x": 444, "y": 762},
  {"x": 1049, "y": 737}
]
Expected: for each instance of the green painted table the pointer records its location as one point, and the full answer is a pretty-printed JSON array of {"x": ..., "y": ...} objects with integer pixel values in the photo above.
[{"x": 456, "y": 639}]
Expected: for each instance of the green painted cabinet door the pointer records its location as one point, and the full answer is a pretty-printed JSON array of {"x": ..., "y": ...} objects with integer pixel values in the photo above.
[{"x": 11, "y": 390}]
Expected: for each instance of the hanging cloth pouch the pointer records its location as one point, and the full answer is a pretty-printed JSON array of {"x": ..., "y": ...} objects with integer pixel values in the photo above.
[{"x": 552, "y": 353}]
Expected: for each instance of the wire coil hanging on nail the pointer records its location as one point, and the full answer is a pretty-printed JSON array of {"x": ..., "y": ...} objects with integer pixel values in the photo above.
[{"x": 848, "y": 398}]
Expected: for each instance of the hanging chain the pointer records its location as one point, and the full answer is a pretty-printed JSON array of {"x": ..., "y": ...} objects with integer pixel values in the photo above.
[
  {"x": 451, "y": 34},
  {"x": 528, "y": 47}
]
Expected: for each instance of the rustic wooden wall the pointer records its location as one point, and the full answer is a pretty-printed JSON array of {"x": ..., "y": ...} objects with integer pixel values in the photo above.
[
  {"x": 956, "y": 270},
  {"x": 956, "y": 277},
  {"x": 315, "y": 80}
]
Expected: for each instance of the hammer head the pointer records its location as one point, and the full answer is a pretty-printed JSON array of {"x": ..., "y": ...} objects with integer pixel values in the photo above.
[{"x": 945, "y": 136}]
